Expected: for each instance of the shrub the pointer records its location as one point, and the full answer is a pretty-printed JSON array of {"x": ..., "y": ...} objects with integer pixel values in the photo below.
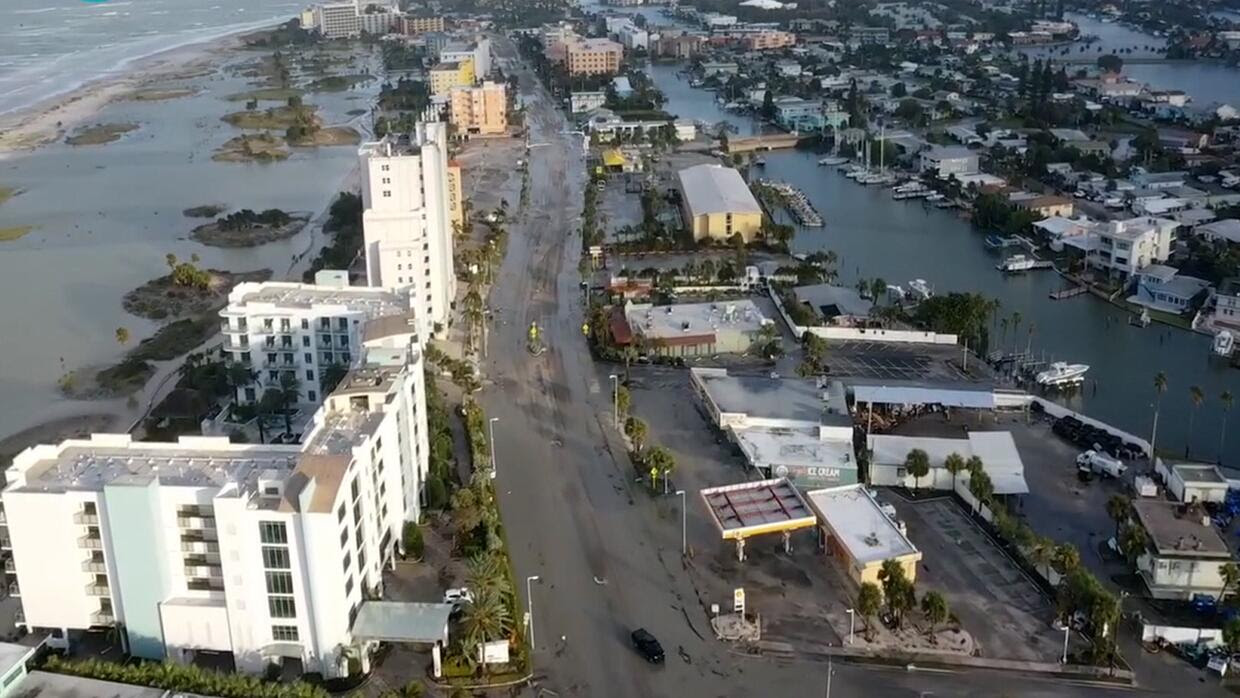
[
  {"x": 436, "y": 494},
  {"x": 412, "y": 537},
  {"x": 181, "y": 678}
]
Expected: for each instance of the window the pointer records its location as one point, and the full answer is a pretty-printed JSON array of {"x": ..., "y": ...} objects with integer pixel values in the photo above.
[
  {"x": 305, "y": 342},
  {"x": 309, "y": 375},
  {"x": 387, "y": 194},
  {"x": 279, "y": 583},
  {"x": 272, "y": 532},
  {"x": 276, "y": 558},
  {"x": 348, "y": 586},
  {"x": 344, "y": 538},
  {"x": 353, "y": 488},
  {"x": 282, "y": 606},
  {"x": 308, "y": 357},
  {"x": 387, "y": 180},
  {"x": 284, "y": 633},
  {"x": 312, "y": 396},
  {"x": 345, "y": 563},
  {"x": 340, "y": 512},
  {"x": 250, "y": 395},
  {"x": 384, "y": 168}
]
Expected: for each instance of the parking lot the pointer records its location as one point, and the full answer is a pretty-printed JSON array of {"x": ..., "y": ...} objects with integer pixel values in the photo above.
[{"x": 884, "y": 360}]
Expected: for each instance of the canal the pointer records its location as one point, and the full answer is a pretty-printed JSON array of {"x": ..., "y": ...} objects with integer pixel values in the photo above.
[{"x": 875, "y": 236}]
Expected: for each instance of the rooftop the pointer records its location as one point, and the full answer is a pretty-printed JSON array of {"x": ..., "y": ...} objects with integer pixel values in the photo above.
[
  {"x": 373, "y": 302},
  {"x": 103, "y": 459},
  {"x": 833, "y": 301},
  {"x": 949, "y": 152},
  {"x": 1199, "y": 473},
  {"x": 396, "y": 621},
  {"x": 860, "y": 524},
  {"x": 763, "y": 397},
  {"x": 1227, "y": 229},
  {"x": 1179, "y": 536},
  {"x": 1000, "y": 458},
  {"x": 775, "y": 446},
  {"x": 693, "y": 319},
  {"x": 716, "y": 189},
  {"x": 752, "y": 508}
]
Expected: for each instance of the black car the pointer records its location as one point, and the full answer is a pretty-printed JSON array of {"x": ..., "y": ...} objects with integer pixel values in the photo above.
[{"x": 647, "y": 646}]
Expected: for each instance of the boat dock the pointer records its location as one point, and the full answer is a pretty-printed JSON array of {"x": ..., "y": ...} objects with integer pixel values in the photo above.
[
  {"x": 1070, "y": 292},
  {"x": 796, "y": 202}
]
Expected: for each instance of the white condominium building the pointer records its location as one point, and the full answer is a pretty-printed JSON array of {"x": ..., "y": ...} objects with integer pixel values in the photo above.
[
  {"x": 337, "y": 20},
  {"x": 264, "y": 551},
  {"x": 312, "y": 333},
  {"x": 406, "y": 220}
]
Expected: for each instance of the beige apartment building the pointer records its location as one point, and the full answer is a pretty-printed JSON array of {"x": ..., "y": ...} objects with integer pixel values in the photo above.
[
  {"x": 414, "y": 26},
  {"x": 482, "y": 109},
  {"x": 593, "y": 57}
]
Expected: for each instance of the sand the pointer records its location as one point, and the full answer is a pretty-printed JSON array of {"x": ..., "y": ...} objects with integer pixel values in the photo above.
[{"x": 79, "y": 426}]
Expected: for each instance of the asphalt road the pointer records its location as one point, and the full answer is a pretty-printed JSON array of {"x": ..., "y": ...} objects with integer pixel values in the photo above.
[{"x": 605, "y": 562}]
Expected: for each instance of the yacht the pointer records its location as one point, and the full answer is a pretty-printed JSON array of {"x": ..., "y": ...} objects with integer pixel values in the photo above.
[
  {"x": 1142, "y": 320},
  {"x": 823, "y": 162},
  {"x": 919, "y": 290},
  {"x": 1061, "y": 373},
  {"x": 1016, "y": 264},
  {"x": 1224, "y": 343}
]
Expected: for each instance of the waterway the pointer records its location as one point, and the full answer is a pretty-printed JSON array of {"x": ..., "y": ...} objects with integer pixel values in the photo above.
[
  {"x": 875, "y": 236},
  {"x": 105, "y": 216}
]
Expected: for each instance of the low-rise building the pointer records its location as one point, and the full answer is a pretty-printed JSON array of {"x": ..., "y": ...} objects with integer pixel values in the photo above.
[
  {"x": 694, "y": 329},
  {"x": 854, "y": 528},
  {"x": 1227, "y": 304},
  {"x": 1163, "y": 288},
  {"x": 1047, "y": 206},
  {"x": 1193, "y": 483},
  {"x": 797, "y": 114},
  {"x": 478, "y": 53},
  {"x": 717, "y": 204},
  {"x": 945, "y": 161},
  {"x": 415, "y": 26},
  {"x": 838, "y": 306},
  {"x": 768, "y": 39},
  {"x": 1225, "y": 230},
  {"x": 1185, "y": 554},
  {"x": 482, "y": 109},
  {"x": 1122, "y": 248},
  {"x": 1001, "y": 460},
  {"x": 580, "y": 102},
  {"x": 869, "y": 36}
]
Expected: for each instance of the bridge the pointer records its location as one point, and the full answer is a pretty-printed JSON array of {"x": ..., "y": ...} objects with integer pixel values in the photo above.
[{"x": 768, "y": 142}]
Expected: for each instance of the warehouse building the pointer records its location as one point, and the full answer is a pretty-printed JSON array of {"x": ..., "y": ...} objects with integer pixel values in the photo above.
[{"x": 717, "y": 204}]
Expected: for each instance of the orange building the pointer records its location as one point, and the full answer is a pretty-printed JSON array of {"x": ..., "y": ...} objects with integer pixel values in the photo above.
[
  {"x": 593, "y": 57},
  {"x": 482, "y": 109},
  {"x": 766, "y": 40}
]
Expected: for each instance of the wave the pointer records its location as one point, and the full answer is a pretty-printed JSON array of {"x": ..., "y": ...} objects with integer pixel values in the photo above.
[{"x": 38, "y": 10}]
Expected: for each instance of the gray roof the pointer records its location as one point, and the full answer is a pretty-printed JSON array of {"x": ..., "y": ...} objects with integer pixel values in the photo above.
[
  {"x": 399, "y": 621},
  {"x": 763, "y": 397},
  {"x": 716, "y": 189},
  {"x": 833, "y": 301}
]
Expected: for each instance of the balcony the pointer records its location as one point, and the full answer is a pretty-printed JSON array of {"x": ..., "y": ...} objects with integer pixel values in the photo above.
[
  {"x": 102, "y": 617},
  {"x": 205, "y": 584},
  {"x": 98, "y": 589},
  {"x": 205, "y": 571},
  {"x": 86, "y": 519},
  {"x": 9, "y": 566},
  {"x": 207, "y": 547},
  {"x": 194, "y": 521},
  {"x": 90, "y": 542},
  {"x": 227, "y": 328},
  {"x": 95, "y": 566},
  {"x": 14, "y": 590}
]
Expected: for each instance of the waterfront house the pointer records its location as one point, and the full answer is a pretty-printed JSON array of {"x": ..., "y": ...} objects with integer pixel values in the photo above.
[
  {"x": 1046, "y": 206},
  {"x": 580, "y": 102},
  {"x": 1227, "y": 304},
  {"x": 1185, "y": 554},
  {"x": 946, "y": 160},
  {"x": 796, "y": 114},
  {"x": 1122, "y": 248},
  {"x": 1162, "y": 288},
  {"x": 838, "y": 306},
  {"x": 721, "y": 68}
]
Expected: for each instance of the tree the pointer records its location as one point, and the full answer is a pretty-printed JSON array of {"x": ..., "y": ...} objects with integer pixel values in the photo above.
[
  {"x": 768, "y": 104},
  {"x": 1066, "y": 559},
  {"x": 288, "y": 393},
  {"x": 1197, "y": 397},
  {"x": 1041, "y": 552},
  {"x": 637, "y": 432},
  {"x": 484, "y": 619},
  {"x": 1119, "y": 508},
  {"x": 917, "y": 463},
  {"x": 122, "y": 336},
  {"x": 1160, "y": 387},
  {"x": 897, "y": 589},
  {"x": 934, "y": 607},
  {"x": 1230, "y": 573},
  {"x": 1133, "y": 541},
  {"x": 1111, "y": 63},
  {"x": 1231, "y": 635},
  {"x": 660, "y": 462},
  {"x": 981, "y": 487},
  {"x": 487, "y": 572},
  {"x": 238, "y": 375},
  {"x": 623, "y": 400},
  {"x": 869, "y": 600},
  {"x": 954, "y": 463},
  {"x": 171, "y": 260},
  {"x": 1228, "y": 400},
  {"x": 411, "y": 540}
]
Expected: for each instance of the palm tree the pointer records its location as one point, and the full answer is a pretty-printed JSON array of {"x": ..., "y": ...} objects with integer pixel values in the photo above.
[
  {"x": 1003, "y": 325},
  {"x": 637, "y": 431},
  {"x": 486, "y": 572},
  {"x": 954, "y": 463},
  {"x": 484, "y": 619},
  {"x": 1041, "y": 552},
  {"x": 1197, "y": 396},
  {"x": 288, "y": 392},
  {"x": 238, "y": 375},
  {"x": 1119, "y": 508},
  {"x": 934, "y": 607},
  {"x": 1160, "y": 387},
  {"x": 917, "y": 463},
  {"x": 1228, "y": 400},
  {"x": 869, "y": 600},
  {"x": 1066, "y": 559},
  {"x": 122, "y": 336},
  {"x": 863, "y": 288},
  {"x": 1015, "y": 324},
  {"x": 661, "y": 462}
]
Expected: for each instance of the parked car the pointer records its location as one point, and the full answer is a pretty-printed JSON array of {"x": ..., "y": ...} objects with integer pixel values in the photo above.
[
  {"x": 647, "y": 646},
  {"x": 458, "y": 597}
]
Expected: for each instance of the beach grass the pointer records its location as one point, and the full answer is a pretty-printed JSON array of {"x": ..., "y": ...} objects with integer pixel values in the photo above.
[
  {"x": 99, "y": 134},
  {"x": 14, "y": 232},
  {"x": 7, "y": 193},
  {"x": 274, "y": 94},
  {"x": 278, "y": 118},
  {"x": 156, "y": 94}
]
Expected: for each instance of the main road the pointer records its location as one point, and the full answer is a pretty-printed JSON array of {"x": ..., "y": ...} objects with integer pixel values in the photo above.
[{"x": 604, "y": 560}]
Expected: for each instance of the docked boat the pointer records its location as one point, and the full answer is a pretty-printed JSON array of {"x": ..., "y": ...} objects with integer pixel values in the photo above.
[
  {"x": 935, "y": 197},
  {"x": 1016, "y": 264},
  {"x": 919, "y": 290},
  {"x": 824, "y": 162},
  {"x": 1224, "y": 343},
  {"x": 1061, "y": 373},
  {"x": 760, "y": 162},
  {"x": 1142, "y": 320},
  {"x": 996, "y": 242}
]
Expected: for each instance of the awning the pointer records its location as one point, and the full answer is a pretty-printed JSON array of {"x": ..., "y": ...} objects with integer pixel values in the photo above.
[
  {"x": 613, "y": 158},
  {"x": 397, "y": 621},
  {"x": 982, "y": 399}
]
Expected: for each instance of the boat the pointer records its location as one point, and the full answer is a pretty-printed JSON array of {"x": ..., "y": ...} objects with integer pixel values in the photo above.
[
  {"x": 1061, "y": 373},
  {"x": 1224, "y": 343},
  {"x": 760, "y": 162},
  {"x": 995, "y": 242},
  {"x": 1016, "y": 264},
  {"x": 1142, "y": 320},
  {"x": 936, "y": 197},
  {"x": 823, "y": 162},
  {"x": 919, "y": 290}
]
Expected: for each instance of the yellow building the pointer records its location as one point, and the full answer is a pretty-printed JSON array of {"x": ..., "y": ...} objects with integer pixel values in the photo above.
[
  {"x": 854, "y": 529},
  {"x": 717, "y": 204},
  {"x": 482, "y": 109},
  {"x": 445, "y": 76},
  {"x": 456, "y": 201}
]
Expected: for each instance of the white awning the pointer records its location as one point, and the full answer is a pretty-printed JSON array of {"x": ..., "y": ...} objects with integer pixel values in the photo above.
[
  {"x": 396, "y": 621},
  {"x": 982, "y": 399}
]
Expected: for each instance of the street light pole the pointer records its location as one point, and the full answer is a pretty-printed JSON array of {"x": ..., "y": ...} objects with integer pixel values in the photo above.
[
  {"x": 491, "y": 434},
  {"x": 529, "y": 601},
  {"x": 852, "y": 620},
  {"x": 615, "y": 401},
  {"x": 684, "y": 546},
  {"x": 1066, "y": 629}
]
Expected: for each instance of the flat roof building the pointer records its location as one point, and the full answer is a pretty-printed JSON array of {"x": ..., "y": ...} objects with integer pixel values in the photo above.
[
  {"x": 716, "y": 203},
  {"x": 482, "y": 109},
  {"x": 1000, "y": 458},
  {"x": 592, "y": 56},
  {"x": 838, "y": 306},
  {"x": 450, "y": 74},
  {"x": 1185, "y": 555},
  {"x": 945, "y": 161},
  {"x": 696, "y": 329},
  {"x": 854, "y": 528}
]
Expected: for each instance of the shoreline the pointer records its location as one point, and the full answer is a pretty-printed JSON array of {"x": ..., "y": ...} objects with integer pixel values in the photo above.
[{"x": 43, "y": 122}]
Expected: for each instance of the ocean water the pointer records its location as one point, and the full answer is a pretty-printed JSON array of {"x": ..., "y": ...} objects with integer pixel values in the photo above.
[{"x": 49, "y": 47}]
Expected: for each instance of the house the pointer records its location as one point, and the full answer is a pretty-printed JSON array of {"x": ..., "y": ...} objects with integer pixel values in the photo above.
[
  {"x": 717, "y": 204},
  {"x": 686, "y": 129},
  {"x": 1162, "y": 288},
  {"x": 788, "y": 69},
  {"x": 710, "y": 68},
  {"x": 870, "y": 36},
  {"x": 1159, "y": 180},
  {"x": 796, "y": 114},
  {"x": 838, "y": 306},
  {"x": 1227, "y": 304},
  {"x": 949, "y": 160},
  {"x": 1122, "y": 248},
  {"x": 1225, "y": 230},
  {"x": 1182, "y": 140},
  {"x": 1047, "y": 206},
  {"x": 1193, "y": 482},
  {"x": 1185, "y": 554}
]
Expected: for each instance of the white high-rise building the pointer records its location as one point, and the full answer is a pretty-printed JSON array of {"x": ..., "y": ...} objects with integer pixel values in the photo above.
[
  {"x": 264, "y": 551},
  {"x": 406, "y": 220},
  {"x": 337, "y": 20},
  {"x": 311, "y": 332}
]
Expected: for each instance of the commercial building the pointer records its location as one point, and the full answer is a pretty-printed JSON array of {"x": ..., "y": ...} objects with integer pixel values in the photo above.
[
  {"x": 310, "y": 333},
  {"x": 406, "y": 220},
  {"x": 869, "y": 36},
  {"x": 450, "y": 74},
  {"x": 768, "y": 39},
  {"x": 996, "y": 449},
  {"x": 854, "y": 528},
  {"x": 693, "y": 329},
  {"x": 482, "y": 109},
  {"x": 1185, "y": 555},
  {"x": 631, "y": 36},
  {"x": 678, "y": 45},
  {"x": 581, "y": 102},
  {"x": 267, "y": 552},
  {"x": 592, "y": 56},
  {"x": 945, "y": 161},
  {"x": 337, "y": 20},
  {"x": 414, "y": 26},
  {"x": 838, "y": 306},
  {"x": 1193, "y": 482},
  {"x": 717, "y": 204},
  {"x": 378, "y": 21},
  {"x": 750, "y": 509},
  {"x": 786, "y": 427}
]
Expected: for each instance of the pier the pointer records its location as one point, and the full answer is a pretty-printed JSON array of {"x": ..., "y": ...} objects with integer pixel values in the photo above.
[
  {"x": 795, "y": 201},
  {"x": 1071, "y": 292}
]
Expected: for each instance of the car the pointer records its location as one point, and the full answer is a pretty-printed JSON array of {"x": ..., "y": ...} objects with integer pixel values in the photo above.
[
  {"x": 647, "y": 646},
  {"x": 458, "y": 597}
]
